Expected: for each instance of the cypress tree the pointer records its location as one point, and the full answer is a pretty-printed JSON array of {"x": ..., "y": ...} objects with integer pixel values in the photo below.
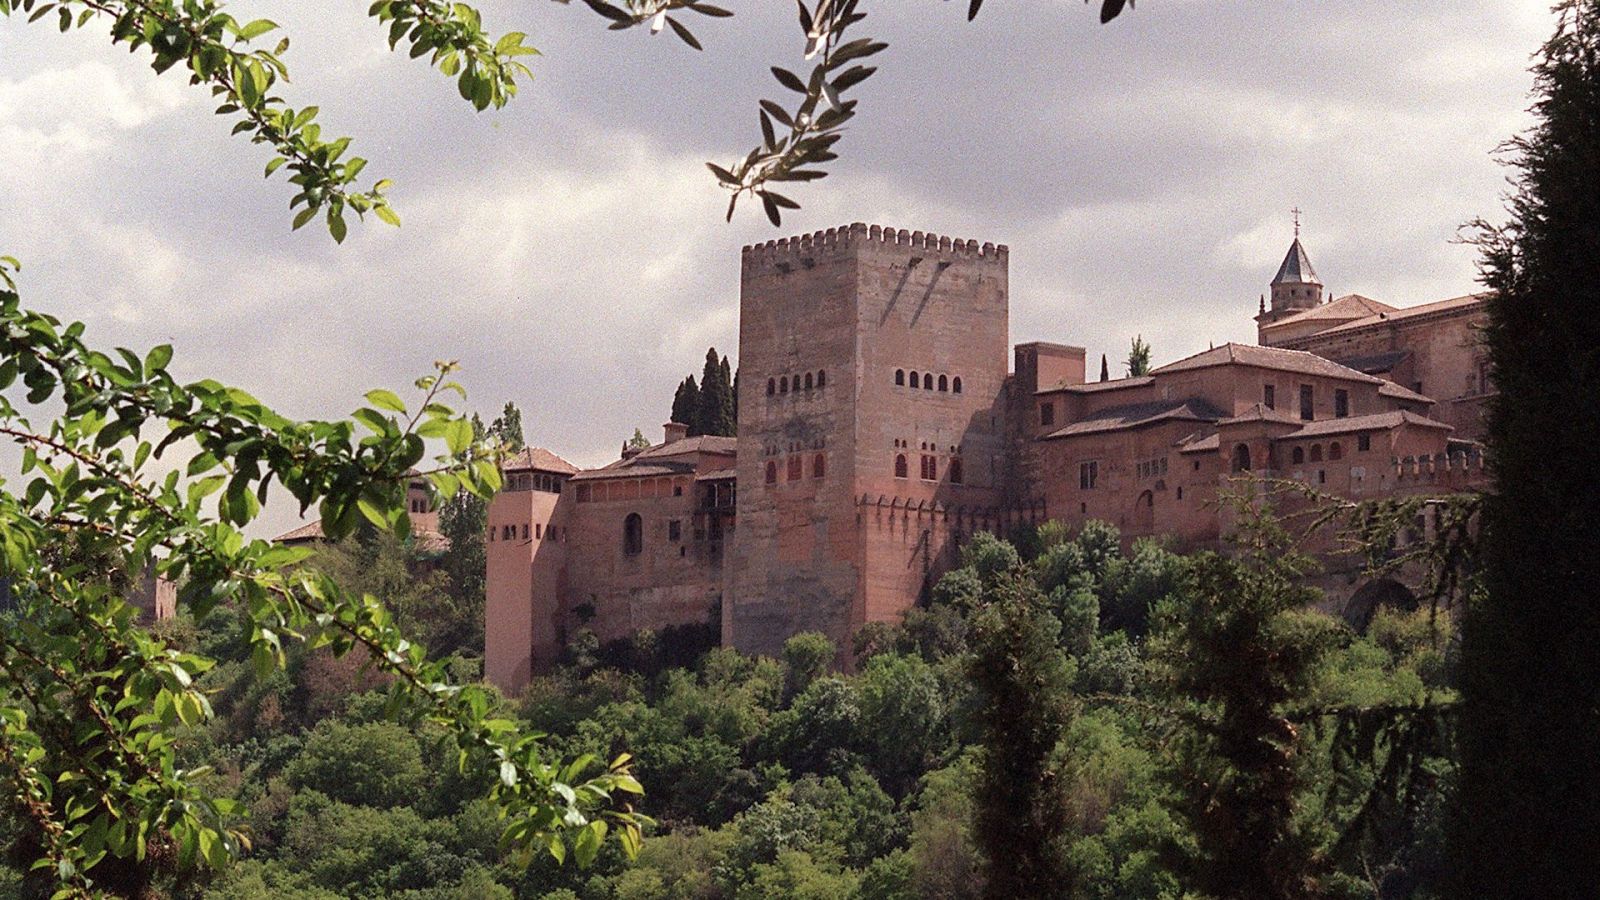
[
  {"x": 1527, "y": 820},
  {"x": 1105, "y": 370},
  {"x": 714, "y": 415},
  {"x": 686, "y": 402}
]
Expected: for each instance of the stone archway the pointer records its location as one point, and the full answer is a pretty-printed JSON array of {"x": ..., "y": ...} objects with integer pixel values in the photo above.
[{"x": 1366, "y": 601}]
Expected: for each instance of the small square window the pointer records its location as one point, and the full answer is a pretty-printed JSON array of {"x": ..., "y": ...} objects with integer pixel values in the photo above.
[
  {"x": 674, "y": 530},
  {"x": 1364, "y": 442}
]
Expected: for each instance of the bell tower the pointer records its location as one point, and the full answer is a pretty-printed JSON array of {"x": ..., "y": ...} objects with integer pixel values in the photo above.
[{"x": 1295, "y": 288}]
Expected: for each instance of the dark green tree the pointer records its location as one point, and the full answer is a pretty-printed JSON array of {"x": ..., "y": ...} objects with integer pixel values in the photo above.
[
  {"x": 714, "y": 414},
  {"x": 1105, "y": 369},
  {"x": 1138, "y": 357},
  {"x": 1236, "y": 653},
  {"x": 1024, "y": 681},
  {"x": 507, "y": 429},
  {"x": 1528, "y": 818},
  {"x": 685, "y": 402}
]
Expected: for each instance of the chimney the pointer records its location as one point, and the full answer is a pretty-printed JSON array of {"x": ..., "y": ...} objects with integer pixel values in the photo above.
[{"x": 675, "y": 431}]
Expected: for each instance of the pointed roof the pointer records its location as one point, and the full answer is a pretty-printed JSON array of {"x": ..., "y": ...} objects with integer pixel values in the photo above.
[
  {"x": 538, "y": 458},
  {"x": 1296, "y": 268}
]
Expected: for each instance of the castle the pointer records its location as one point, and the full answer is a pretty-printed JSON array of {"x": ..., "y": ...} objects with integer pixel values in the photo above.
[{"x": 880, "y": 425}]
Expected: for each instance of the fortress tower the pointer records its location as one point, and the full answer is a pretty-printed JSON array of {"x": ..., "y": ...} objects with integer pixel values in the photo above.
[{"x": 871, "y": 432}]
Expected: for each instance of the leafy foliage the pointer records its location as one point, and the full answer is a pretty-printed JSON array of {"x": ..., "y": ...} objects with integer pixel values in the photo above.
[{"x": 92, "y": 704}]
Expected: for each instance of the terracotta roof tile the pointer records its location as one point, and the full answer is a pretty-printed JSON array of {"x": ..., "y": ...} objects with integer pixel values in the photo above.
[
  {"x": 538, "y": 458},
  {"x": 1350, "y": 306},
  {"x": 1134, "y": 415},
  {"x": 1463, "y": 302},
  {"x": 1390, "y": 389},
  {"x": 1374, "y": 422},
  {"x": 1094, "y": 387},
  {"x": 1267, "y": 358}
]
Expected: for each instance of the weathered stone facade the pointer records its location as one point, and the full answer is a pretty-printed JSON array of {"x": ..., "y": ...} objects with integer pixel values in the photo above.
[{"x": 879, "y": 426}]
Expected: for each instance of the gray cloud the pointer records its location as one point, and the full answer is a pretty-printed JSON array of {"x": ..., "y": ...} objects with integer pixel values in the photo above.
[{"x": 570, "y": 250}]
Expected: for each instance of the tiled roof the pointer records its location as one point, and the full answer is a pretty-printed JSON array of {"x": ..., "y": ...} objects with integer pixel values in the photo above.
[
  {"x": 1350, "y": 306},
  {"x": 663, "y": 459},
  {"x": 310, "y": 531},
  {"x": 628, "y": 468},
  {"x": 1390, "y": 389},
  {"x": 1296, "y": 268},
  {"x": 422, "y": 539},
  {"x": 1267, "y": 358},
  {"x": 1374, "y": 422},
  {"x": 704, "y": 443},
  {"x": 717, "y": 475},
  {"x": 1200, "y": 442},
  {"x": 538, "y": 458},
  {"x": 1260, "y": 412},
  {"x": 1092, "y": 387},
  {"x": 1377, "y": 362},
  {"x": 1464, "y": 302},
  {"x": 1133, "y": 415}
]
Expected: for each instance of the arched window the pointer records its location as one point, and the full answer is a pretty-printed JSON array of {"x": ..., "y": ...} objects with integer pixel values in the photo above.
[
  {"x": 809, "y": 383},
  {"x": 900, "y": 465},
  {"x": 900, "y": 377},
  {"x": 783, "y": 385},
  {"x": 795, "y": 467},
  {"x": 915, "y": 380},
  {"x": 1298, "y": 455},
  {"x": 772, "y": 386},
  {"x": 927, "y": 381},
  {"x": 633, "y": 534},
  {"x": 955, "y": 384},
  {"x": 772, "y": 472},
  {"x": 944, "y": 385},
  {"x": 1316, "y": 453},
  {"x": 1335, "y": 450},
  {"x": 822, "y": 379},
  {"x": 1241, "y": 458},
  {"x": 819, "y": 467},
  {"x": 955, "y": 470}
]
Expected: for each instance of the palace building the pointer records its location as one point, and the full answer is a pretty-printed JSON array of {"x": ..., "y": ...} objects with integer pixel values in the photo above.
[{"x": 883, "y": 419}]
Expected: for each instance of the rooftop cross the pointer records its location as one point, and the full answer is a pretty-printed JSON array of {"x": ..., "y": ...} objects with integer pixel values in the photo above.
[{"x": 1296, "y": 212}]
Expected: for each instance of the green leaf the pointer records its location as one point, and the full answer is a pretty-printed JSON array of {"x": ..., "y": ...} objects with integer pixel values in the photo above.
[
  {"x": 458, "y": 435},
  {"x": 157, "y": 358},
  {"x": 256, "y": 29},
  {"x": 386, "y": 400}
]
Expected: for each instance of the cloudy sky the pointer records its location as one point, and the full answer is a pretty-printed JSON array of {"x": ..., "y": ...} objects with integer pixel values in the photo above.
[{"x": 570, "y": 250}]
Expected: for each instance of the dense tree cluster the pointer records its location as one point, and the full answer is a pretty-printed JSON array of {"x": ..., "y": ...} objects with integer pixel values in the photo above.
[
  {"x": 710, "y": 405},
  {"x": 1062, "y": 719}
]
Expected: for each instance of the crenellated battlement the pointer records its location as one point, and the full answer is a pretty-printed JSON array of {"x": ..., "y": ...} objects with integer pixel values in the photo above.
[
  {"x": 1459, "y": 469},
  {"x": 859, "y": 234}
]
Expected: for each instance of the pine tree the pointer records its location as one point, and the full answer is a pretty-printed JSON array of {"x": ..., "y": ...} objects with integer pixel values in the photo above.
[
  {"x": 686, "y": 402},
  {"x": 1527, "y": 823}
]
